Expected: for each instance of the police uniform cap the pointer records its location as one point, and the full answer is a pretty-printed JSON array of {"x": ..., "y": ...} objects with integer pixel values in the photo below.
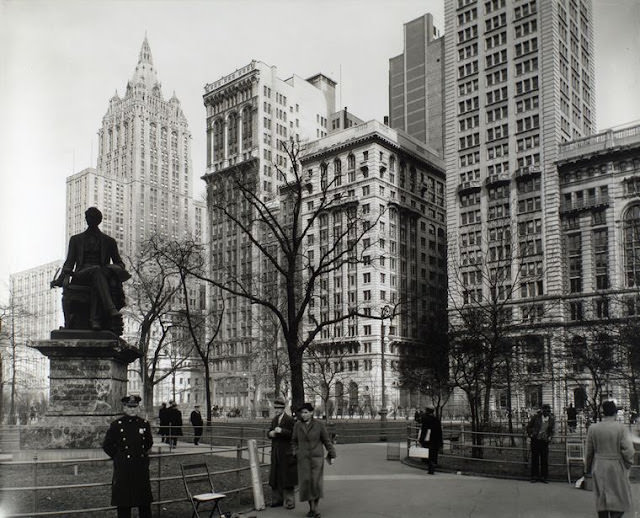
[{"x": 131, "y": 400}]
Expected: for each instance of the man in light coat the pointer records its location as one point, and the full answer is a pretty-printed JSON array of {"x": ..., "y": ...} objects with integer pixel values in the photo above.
[{"x": 608, "y": 458}]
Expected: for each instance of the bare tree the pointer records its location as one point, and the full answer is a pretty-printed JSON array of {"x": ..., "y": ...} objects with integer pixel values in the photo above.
[
  {"x": 269, "y": 358},
  {"x": 153, "y": 308},
  {"x": 484, "y": 334},
  {"x": 324, "y": 369},
  {"x": 202, "y": 328},
  {"x": 603, "y": 348},
  {"x": 275, "y": 234},
  {"x": 12, "y": 315}
]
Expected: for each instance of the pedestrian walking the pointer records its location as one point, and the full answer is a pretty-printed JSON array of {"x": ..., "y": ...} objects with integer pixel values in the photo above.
[
  {"x": 572, "y": 418},
  {"x": 608, "y": 458},
  {"x": 163, "y": 419},
  {"x": 540, "y": 429},
  {"x": 283, "y": 475},
  {"x": 196, "y": 422},
  {"x": 431, "y": 437},
  {"x": 128, "y": 441},
  {"x": 174, "y": 418},
  {"x": 308, "y": 438}
]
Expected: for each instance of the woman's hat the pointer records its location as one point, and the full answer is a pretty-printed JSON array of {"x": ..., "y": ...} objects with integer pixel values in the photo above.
[{"x": 306, "y": 406}]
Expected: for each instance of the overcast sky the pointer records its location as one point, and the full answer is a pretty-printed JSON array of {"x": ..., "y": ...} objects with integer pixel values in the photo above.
[{"x": 61, "y": 61}]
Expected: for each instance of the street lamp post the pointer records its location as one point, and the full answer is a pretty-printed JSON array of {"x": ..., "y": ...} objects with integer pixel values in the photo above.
[{"x": 385, "y": 313}]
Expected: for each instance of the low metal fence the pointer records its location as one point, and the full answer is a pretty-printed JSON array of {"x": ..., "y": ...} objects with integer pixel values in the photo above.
[
  {"x": 39, "y": 486},
  {"x": 498, "y": 453}
]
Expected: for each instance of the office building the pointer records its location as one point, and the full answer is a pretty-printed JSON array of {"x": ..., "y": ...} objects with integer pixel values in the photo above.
[
  {"x": 599, "y": 178},
  {"x": 249, "y": 112},
  {"x": 416, "y": 84},
  {"x": 391, "y": 183},
  {"x": 519, "y": 79}
]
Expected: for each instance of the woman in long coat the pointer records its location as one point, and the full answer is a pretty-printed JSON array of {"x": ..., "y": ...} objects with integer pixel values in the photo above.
[
  {"x": 608, "y": 458},
  {"x": 308, "y": 438}
]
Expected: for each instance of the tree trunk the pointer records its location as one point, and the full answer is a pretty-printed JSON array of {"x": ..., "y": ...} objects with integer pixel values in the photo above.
[
  {"x": 297, "y": 380},
  {"x": 207, "y": 389},
  {"x": 509, "y": 405},
  {"x": 147, "y": 387}
]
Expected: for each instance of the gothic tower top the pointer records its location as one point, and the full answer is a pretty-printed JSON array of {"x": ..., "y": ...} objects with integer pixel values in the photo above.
[{"x": 145, "y": 76}]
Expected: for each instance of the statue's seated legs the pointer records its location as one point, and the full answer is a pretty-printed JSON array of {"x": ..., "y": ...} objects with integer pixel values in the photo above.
[{"x": 92, "y": 300}]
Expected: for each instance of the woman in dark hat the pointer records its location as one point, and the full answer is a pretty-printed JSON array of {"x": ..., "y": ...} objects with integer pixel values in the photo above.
[{"x": 308, "y": 439}]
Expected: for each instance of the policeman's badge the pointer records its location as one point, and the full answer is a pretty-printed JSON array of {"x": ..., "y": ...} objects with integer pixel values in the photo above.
[{"x": 141, "y": 430}]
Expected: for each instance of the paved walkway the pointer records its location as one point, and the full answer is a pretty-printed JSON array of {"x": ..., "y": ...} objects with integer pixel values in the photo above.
[{"x": 363, "y": 483}]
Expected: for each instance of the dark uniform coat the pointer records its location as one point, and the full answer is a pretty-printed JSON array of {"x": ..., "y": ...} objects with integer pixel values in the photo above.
[
  {"x": 127, "y": 442},
  {"x": 308, "y": 440},
  {"x": 283, "y": 472}
]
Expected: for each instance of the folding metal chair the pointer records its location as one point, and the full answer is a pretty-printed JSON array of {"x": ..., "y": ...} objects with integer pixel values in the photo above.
[
  {"x": 575, "y": 455},
  {"x": 199, "y": 473}
]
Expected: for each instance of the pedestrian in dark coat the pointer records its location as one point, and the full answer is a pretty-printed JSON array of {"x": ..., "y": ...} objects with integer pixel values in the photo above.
[
  {"x": 431, "y": 436},
  {"x": 163, "y": 418},
  {"x": 196, "y": 422},
  {"x": 174, "y": 417},
  {"x": 540, "y": 429},
  {"x": 608, "y": 458},
  {"x": 308, "y": 438},
  {"x": 283, "y": 475},
  {"x": 572, "y": 418},
  {"x": 128, "y": 441}
]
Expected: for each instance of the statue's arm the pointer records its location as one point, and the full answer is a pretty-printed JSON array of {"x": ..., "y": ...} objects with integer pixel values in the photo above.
[{"x": 67, "y": 268}]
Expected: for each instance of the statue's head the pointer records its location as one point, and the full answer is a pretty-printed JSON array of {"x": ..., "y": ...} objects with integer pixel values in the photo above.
[{"x": 93, "y": 216}]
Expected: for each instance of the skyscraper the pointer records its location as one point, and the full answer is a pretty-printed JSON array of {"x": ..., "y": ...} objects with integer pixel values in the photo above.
[
  {"x": 416, "y": 84},
  {"x": 249, "y": 113},
  {"x": 519, "y": 79},
  {"x": 143, "y": 182}
]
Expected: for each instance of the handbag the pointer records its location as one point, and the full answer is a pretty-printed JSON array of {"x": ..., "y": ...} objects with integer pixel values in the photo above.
[{"x": 418, "y": 452}]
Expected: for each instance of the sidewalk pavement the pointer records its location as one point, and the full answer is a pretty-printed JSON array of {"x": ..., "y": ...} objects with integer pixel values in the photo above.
[{"x": 363, "y": 483}]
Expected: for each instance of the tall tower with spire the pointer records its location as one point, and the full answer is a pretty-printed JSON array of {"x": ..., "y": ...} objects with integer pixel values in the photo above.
[{"x": 143, "y": 180}]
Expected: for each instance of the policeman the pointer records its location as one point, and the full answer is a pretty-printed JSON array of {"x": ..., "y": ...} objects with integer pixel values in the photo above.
[{"x": 127, "y": 442}]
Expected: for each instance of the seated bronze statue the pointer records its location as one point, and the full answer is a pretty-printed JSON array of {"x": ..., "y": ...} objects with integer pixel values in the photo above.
[{"x": 91, "y": 279}]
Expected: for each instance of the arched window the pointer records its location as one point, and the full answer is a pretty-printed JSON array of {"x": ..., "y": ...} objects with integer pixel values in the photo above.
[
  {"x": 392, "y": 163},
  {"x": 631, "y": 238},
  {"x": 351, "y": 161},
  {"x": 232, "y": 133},
  {"x": 218, "y": 140},
  {"x": 247, "y": 128},
  {"x": 323, "y": 176},
  {"x": 337, "y": 171}
]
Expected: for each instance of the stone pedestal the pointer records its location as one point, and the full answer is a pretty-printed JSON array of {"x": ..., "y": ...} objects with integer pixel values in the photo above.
[{"x": 88, "y": 378}]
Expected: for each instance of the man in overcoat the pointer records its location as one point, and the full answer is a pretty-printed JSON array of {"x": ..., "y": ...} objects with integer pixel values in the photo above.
[
  {"x": 283, "y": 474},
  {"x": 431, "y": 436},
  {"x": 174, "y": 417},
  {"x": 540, "y": 429},
  {"x": 197, "y": 423},
  {"x": 128, "y": 441},
  {"x": 163, "y": 418}
]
